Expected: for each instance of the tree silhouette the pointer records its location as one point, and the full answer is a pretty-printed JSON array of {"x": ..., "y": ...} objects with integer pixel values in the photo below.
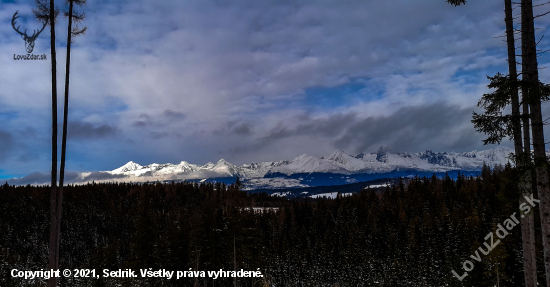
[
  {"x": 531, "y": 91},
  {"x": 48, "y": 14},
  {"x": 522, "y": 154},
  {"x": 498, "y": 126},
  {"x": 71, "y": 32},
  {"x": 456, "y": 2}
]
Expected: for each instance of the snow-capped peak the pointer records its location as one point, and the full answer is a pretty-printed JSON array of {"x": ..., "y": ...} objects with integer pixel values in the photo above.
[
  {"x": 337, "y": 155},
  {"x": 346, "y": 161},
  {"x": 130, "y": 166},
  {"x": 223, "y": 162},
  {"x": 381, "y": 161}
]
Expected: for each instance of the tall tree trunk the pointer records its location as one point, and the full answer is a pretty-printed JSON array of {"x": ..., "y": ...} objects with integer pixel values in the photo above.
[
  {"x": 53, "y": 250},
  {"x": 530, "y": 175},
  {"x": 64, "y": 138},
  {"x": 527, "y": 230},
  {"x": 527, "y": 221},
  {"x": 513, "y": 75},
  {"x": 530, "y": 76}
]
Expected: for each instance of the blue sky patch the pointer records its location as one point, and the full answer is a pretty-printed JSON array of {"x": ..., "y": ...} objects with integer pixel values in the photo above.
[
  {"x": 115, "y": 105},
  {"x": 8, "y": 116},
  {"x": 343, "y": 95},
  {"x": 4, "y": 176}
]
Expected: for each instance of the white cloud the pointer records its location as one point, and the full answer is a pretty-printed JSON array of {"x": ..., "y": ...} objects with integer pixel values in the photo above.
[{"x": 247, "y": 61}]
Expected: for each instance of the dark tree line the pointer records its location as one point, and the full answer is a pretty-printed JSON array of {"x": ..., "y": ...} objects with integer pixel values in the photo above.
[{"x": 407, "y": 235}]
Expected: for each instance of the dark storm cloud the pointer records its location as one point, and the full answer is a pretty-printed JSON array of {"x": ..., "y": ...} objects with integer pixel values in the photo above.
[
  {"x": 6, "y": 144},
  {"x": 243, "y": 130},
  {"x": 166, "y": 118},
  {"x": 324, "y": 127},
  {"x": 33, "y": 178},
  {"x": 441, "y": 126},
  {"x": 71, "y": 176},
  {"x": 239, "y": 128},
  {"x": 172, "y": 115},
  {"x": 144, "y": 121},
  {"x": 83, "y": 130}
]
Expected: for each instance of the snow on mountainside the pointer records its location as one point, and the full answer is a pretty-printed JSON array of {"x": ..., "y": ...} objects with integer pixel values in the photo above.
[
  {"x": 129, "y": 167},
  {"x": 264, "y": 174},
  {"x": 308, "y": 164}
]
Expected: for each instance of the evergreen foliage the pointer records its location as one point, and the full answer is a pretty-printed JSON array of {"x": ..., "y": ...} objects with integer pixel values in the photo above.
[
  {"x": 493, "y": 122},
  {"x": 407, "y": 235}
]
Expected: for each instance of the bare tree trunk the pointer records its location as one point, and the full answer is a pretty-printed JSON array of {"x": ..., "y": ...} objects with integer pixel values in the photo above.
[
  {"x": 528, "y": 177},
  {"x": 529, "y": 259},
  {"x": 530, "y": 77},
  {"x": 527, "y": 230},
  {"x": 513, "y": 74},
  {"x": 64, "y": 138},
  {"x": 527, "y": 188},
  {"x": 53, "y": 250}
]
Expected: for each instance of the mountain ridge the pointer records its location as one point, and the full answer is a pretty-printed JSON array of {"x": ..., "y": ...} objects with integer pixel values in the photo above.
[{"x": 297, "y": 172}]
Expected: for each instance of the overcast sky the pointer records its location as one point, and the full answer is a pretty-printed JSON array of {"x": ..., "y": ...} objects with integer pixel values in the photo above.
[{"x": 251, "y": 81}]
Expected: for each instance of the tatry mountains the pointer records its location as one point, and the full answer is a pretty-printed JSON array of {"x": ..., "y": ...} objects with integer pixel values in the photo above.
[{"x": 305, "y": 171}]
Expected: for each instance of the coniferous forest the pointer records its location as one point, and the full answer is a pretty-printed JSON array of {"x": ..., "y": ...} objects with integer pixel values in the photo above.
[{"x": 410, "y": 234}]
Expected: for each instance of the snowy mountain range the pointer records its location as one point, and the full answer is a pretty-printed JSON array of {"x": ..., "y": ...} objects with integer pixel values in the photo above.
[{"x": 305, "y": 170}]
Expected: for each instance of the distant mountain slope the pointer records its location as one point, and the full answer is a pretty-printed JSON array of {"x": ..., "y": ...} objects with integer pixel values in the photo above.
[{"x": 305, "y": 170}]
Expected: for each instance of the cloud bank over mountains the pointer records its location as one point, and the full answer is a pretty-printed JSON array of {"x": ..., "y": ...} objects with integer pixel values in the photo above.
[
  {"x": 294, "y": 173},
  {"x": 253, "y": 80}
]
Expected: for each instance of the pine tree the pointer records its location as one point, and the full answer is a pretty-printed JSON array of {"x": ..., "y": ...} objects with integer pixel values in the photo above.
[
  {"x": 531, "y": 91},
  {"x": 498, "y": 126},
  {"x": 527, "y": 222}
]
